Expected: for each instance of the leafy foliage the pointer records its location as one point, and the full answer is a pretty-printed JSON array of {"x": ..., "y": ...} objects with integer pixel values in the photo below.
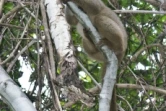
[{"x": 148, "y": 68}]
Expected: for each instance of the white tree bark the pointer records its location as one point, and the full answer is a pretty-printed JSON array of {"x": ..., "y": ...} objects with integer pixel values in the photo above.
[
  {"x": 60, "y": 33},
  {"x": 12, "y": 94},
  {"x": 59, "y": 28}
]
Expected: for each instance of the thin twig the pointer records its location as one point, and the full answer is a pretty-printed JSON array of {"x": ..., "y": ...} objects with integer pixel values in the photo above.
[
  {"x": 18, "y": 55},
  {"x": 137, "y": 79},
  {"x": 126, "y": 102},
  {"x": 1, "y": 5},
  {"x": 132, "y": 86},
  {"x": 22, "y": 5},
  {"x": 18, "y": 44},
  {"x": 134, "y": 57},
  {"x": 12, "y": 26},
  {"x": 14, "y": 10},
  {"x": 89, "y": 74},
  {"x": 147, "y": 87},
  {"x": 140, "y": 11},
  {"x": 49, "y": 43}
]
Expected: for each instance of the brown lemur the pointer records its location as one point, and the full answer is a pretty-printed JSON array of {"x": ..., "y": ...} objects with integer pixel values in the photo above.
[{"x": 109, "y": 26}]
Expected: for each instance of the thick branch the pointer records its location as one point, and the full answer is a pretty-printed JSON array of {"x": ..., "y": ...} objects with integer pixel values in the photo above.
[
  {"x": 12, "y": 94},
  {"x": 140, "y": 11},
  {"x": 96, "y": 89},
  {"x": 112, "y": 64}
]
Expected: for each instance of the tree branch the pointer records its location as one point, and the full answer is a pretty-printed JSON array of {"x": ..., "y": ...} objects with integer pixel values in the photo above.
[{"x": 112, "y": 63}]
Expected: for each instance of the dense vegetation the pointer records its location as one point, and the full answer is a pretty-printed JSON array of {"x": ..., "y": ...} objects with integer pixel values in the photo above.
[{"x": 141, "y": 80}]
